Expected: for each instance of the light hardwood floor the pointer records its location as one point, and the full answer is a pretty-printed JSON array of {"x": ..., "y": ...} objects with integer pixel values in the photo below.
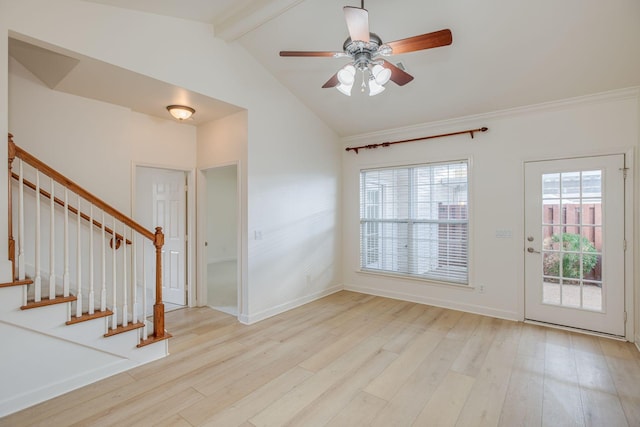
[{"x": 357, "y": 360}]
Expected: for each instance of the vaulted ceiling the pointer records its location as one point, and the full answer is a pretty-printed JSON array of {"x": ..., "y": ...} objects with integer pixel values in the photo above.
[{"x": 504, "y": 54}]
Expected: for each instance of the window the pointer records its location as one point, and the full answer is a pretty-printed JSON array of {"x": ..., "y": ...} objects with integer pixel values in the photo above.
[{"x": 414, "y": 221}]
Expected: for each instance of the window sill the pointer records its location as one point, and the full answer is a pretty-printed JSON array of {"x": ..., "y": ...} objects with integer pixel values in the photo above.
[{"x": 429, "y": 282}]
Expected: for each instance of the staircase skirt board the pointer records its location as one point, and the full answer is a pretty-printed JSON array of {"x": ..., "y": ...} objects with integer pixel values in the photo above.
[
  {"x": 46, "y": 302},
  {"x": 86, "y": 316},
  {"x": 121, "y": 329}
]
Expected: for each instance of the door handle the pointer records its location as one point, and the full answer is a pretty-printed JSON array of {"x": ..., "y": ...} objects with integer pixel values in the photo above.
[{"x": 532, "y": 251}]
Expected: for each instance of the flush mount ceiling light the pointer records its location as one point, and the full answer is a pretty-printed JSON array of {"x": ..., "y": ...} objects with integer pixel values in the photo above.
[{"x": 180, "y": 112}]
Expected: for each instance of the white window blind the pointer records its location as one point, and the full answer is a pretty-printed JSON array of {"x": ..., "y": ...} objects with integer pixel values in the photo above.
[{"x": 414, "y": 221}]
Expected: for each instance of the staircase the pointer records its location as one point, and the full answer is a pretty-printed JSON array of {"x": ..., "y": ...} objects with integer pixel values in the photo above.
[{"x": 85, "y": 301}]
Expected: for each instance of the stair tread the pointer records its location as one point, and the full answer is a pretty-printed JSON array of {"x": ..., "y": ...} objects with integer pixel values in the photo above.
[
  {"x": 47, "y": 302},
  {"x": 16, "y": 283},
  {"x": 153, "y": 339},
  {"x": 86, "y": 316},
  {"x": 120, "y": 329}
]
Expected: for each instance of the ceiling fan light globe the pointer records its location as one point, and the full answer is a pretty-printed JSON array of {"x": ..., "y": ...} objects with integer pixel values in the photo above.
[
  {"x": 345, "y": 89},
  {"x": 347, "y": 75},
  {"x": 374, "y": 87},
  {"x": 381, "y": 74}
]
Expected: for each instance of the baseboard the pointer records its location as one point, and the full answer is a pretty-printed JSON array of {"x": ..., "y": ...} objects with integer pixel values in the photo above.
[
  {"x": 637, "y": 343},
  {"x": 274, "y": 311},
  {"x": 49, "y": 391},
  {"x": 453, "y": 305}
]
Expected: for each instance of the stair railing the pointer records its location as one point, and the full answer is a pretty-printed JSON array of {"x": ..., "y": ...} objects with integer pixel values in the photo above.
[{"x": 123, "y": 315}]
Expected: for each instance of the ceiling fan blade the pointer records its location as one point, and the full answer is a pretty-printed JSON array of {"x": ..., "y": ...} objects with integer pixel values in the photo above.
[
  {"x": 357, "y": 22},
  {"x": 332, "y": 82},
  {"x": 308, "y": 53},
  {"x": 398, "y": 76},
  {"x": 425, "y": 41}
]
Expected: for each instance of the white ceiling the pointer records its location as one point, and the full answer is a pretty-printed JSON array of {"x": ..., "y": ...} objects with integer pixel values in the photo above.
[{"x": 504, "y": 54}]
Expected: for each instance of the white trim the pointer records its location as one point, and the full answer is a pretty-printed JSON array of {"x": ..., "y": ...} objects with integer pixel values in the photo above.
[
  {"x": 629, "y": 233},
  {"x": 436, "y": 302},
  {"x": 614, "y": 95},
  {"x": 575, "y": 330},
  {"x": 281, "y": 308},
  {"x": 201, "y": 225}
]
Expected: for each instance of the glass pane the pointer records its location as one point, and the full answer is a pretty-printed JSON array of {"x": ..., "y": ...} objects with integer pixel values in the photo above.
[
  {"x": 551, "y": 264},
  {"x": 592, "y": 183},
  {"x": 592, "y": 238},
  {"x": 571, "y": 293},
  {"x": 548, "y": 241},
  {"x": 551, "y": 186},
  {"x": 570, "y": 184},
  {"x": 591, "y": 212},
  {"x": 551, "y": 212},
  {"x": 551, "y": 292},
  {"x": 592, "y": 267},
  {"x": 592, "y": 296}
]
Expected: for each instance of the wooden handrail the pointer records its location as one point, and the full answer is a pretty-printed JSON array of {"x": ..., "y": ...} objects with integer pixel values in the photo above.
[
  {"x": 72, "y": 209},
  {"x": 75, "y": 188},
  {"x": 156, "y": 237}
]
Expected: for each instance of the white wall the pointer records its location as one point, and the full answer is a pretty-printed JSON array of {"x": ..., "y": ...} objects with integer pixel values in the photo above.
[
  {"x": 91, "y": 142},
  {"x": 593, "y": 125},
  {"x": 292, "y": 158}
]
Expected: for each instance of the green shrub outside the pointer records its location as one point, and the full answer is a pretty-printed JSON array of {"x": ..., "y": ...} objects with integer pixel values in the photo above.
[{"x": 571, "y": 261}]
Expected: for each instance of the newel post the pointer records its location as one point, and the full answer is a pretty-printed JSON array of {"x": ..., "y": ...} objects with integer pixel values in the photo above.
[
  {"x": 158, "y": 308},
  {"x": 12, "y": 242}
]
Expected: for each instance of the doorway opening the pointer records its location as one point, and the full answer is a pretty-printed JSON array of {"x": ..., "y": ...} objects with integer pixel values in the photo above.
[{"x": 221, "y": 242}]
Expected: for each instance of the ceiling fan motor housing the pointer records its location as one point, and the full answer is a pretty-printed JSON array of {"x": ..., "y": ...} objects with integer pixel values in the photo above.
[{"x": 362, "y": 52}]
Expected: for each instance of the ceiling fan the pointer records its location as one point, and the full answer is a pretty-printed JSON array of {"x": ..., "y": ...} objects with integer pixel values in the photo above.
[{"x": 365, "y": 49}]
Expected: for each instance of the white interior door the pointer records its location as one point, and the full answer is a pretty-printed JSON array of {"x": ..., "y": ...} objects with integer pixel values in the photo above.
[
  {"x": 574, "y": 243},
  {"x": 161, "y": 202}
]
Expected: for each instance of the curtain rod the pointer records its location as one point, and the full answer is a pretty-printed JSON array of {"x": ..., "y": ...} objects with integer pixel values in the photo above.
[{"x": 387, "y": 144}]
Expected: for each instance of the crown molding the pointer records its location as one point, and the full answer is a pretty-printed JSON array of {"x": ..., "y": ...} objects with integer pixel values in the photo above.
[{"x": 477, "y": 119}]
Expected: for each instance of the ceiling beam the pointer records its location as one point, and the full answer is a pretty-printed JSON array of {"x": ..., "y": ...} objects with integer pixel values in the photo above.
[{"x": 249, "y": 15}]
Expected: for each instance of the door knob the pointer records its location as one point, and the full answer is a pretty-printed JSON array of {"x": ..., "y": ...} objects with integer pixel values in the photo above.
[
  {"x": 532, "y": 251},
  {"x": 530, "y": 238}
]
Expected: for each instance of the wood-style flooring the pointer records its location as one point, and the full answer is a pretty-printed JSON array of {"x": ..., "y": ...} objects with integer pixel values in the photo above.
[{"x": 358, "y": 360}]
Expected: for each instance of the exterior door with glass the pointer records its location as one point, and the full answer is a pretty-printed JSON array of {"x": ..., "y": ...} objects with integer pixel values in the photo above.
[{"x": 574, "y": 243}]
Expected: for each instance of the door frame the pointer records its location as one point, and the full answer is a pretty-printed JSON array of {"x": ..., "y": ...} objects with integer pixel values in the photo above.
[
  {"x": 201, "y": 186},
  {"x": 630, "y": 282},
  {"x": 190, "y": 259}
]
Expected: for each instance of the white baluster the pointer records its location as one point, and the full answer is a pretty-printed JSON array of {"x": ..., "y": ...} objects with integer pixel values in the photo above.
[
  {"x": 125, "y": 291},
  {"x": 145, "y": 333},
  {"x": 103, "y": 290},
  {"x": 114, "y": 318},
  {"x": 91, "y": 284},
  {"x": 37, "y": 282},
  {"x": 79, "y": 263},
  {"x": 52, "y": 245},
  {"x": 21, "y": 262},
  {"x": 65, "y": 277},
  {"x": 134, "y": 273}
]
